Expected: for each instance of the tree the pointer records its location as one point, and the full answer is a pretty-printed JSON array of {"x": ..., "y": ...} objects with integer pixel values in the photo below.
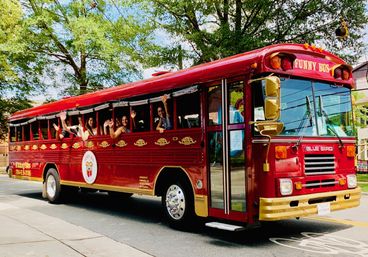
[
  {"x": 18, "y": 69},
  {"x": 86, "y": 45},
  {"x": 218, "y": 28}
]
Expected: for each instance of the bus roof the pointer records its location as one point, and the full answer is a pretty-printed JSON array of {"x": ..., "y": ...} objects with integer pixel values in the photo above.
[{"x": 227, "y": 67}]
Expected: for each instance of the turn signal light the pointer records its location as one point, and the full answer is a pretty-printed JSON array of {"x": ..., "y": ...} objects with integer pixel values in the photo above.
[
  {"x": 298, "y": 185},
  {"x": 280, "y": 152},
  {"x": 275, "y": 62},
  {"x": 342, "y": 181},
  {"x": 350, "y": 151}
]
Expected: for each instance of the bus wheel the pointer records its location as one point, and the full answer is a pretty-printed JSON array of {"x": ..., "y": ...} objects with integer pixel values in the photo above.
[
  {"x": 53, "y": 187},
  {"x": 177, "y": 202}
]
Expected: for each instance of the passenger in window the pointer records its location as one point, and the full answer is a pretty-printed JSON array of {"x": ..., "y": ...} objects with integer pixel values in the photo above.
[
  {"x": 91, "y": 127},
  {"x": 121, "y": 129},
  {"x": 76, "y": 130},
  {"x": 164, "y": 122}
]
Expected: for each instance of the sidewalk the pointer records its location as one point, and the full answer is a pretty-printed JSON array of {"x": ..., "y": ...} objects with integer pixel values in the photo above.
[{"x": 24, "y": 232}]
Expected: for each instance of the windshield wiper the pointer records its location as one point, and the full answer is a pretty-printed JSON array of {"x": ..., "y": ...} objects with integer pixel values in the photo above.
[
  {"x": 302, "y": 124},
  {"x": 329, "y": 122}
]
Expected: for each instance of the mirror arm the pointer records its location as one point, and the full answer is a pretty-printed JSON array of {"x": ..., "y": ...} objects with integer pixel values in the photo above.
[{"x": 266, "y": 165}]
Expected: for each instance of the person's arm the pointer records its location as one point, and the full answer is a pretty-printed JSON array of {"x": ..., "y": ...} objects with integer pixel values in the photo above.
[
  {"x": 168, "y": 122},
  {"x": 63, "y": 123},
  {"x": 133, "y": 114},
  {"x": 164, "y": 101},
  {"x": 114, "y": 134}
]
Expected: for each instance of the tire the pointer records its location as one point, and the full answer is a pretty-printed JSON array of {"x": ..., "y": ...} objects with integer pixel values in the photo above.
[
  {"x": 53, "y": 187},
  {"x": 119, "y": 195},
  {"x": 177, "y": 202}
]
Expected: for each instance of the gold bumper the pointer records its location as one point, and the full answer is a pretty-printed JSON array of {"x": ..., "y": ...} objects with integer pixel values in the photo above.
[{"x": 298, "y": 206}]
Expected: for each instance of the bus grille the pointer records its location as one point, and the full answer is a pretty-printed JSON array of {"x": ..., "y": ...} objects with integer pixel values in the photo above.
[{"x": 319, "y": 164}]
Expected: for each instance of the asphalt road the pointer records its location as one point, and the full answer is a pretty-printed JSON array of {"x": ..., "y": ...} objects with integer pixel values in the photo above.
[{"x": 139, "y": 223}]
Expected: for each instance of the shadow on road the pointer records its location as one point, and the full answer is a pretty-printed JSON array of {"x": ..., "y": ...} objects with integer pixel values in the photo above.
[{"x": 149, "y": 211}]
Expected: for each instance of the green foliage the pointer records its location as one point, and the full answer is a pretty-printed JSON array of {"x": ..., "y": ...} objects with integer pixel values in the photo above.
[
  {"x": 88, "y": 46},
  {"x": 218, "y": 28}
]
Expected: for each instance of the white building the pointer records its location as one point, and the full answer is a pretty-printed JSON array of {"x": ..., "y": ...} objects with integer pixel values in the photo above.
[{"x": 360, "y": 74}]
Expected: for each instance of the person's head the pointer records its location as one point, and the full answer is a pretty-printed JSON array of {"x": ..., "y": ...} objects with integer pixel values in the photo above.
[
  {"x": 90, "y": 122},
  {"x": 161, "y": 112},
  {"x": 124, "y": 121}
]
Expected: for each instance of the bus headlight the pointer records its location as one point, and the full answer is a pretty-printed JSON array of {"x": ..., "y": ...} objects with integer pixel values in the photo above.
[
  {"x": 286, "y": 186},
  {"x": 352, "y": 181}
]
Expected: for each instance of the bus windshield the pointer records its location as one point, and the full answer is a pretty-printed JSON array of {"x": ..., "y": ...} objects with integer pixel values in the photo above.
[{"x": 310, "y": 108}]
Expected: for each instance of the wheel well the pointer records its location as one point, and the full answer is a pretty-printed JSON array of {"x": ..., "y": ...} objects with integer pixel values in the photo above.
[
  {"x": 47, "y": 167},
  {"x": 168, "y": 175}
]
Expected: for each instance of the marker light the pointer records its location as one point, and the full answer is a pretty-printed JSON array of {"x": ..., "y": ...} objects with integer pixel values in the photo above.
[
  {"x": 345, "y": 74},
  {"x": 282, "y": 61},
  {"x": 275, "y": 62},
  {"x": 286, "y": 186},
  {"x": 280, "y": 152},
  {"x": 337, "y": 73},
  {"x": 350, "y": 151},
  {"x": 352, "y": 181},
  {"x": 341, "y": 71},
  {"x": 286, "y": 64}
]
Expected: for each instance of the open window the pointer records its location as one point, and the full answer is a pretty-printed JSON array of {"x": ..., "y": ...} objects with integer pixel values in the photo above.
[
  {"x": 188, "y": 111},
  {"x": 44, "y": 126},
  {"x": 35, "y": 130},
  {"x": 104, "y": 116},
  {"x": 26, "y": 130}
]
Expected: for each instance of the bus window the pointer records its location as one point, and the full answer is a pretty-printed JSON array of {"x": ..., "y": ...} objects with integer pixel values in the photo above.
[
  {"x": 122, "y": 118},
  {"x": 90, "y": 124},
  {"x": 19, "y": 134},
  {"x": 187, "y": 108},
  {"x": 165, "y": 114},
  {"x": 27, "y": 132},
  {"x": 142, "y": 117},
  {"x": 104, "y": 116},
  {"x": 53, "y": 124},
  {"x": 35, "y": 132},
  {"x": 214, "y": 105},
  {"x": 258, "y": 99},
  {"x": 44, "y": 129},
  {"x": 12, "y": 135},
  {"x": 236, "y": 102}
]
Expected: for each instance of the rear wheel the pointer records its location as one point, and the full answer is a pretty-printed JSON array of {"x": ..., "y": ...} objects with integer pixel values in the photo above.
[
  {"x": 53, "y": 187},
  {"x": 177, "y": 202}
]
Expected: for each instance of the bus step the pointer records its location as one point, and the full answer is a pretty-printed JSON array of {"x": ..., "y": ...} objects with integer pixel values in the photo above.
[{"x": 224, "y": 226}]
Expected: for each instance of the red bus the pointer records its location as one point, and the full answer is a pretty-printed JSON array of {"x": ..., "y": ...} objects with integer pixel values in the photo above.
[{"x": 260, "y": 136}]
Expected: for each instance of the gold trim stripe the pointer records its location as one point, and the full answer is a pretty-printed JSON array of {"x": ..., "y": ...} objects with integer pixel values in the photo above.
[
  {"x": 110, "y": 188},
  {"x": 27, "y": 178}
]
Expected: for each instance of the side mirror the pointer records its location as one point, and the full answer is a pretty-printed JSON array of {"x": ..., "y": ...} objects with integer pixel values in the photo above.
[{"x": 272, "y": 100}]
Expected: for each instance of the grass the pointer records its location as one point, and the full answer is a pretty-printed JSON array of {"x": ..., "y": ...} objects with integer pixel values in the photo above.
[
  {"x": 364, "y": 187},
  {"x": 362, "y": 177}
]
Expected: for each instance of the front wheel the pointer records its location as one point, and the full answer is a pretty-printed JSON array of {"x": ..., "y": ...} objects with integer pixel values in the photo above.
[{"x": 177, "y": 202}]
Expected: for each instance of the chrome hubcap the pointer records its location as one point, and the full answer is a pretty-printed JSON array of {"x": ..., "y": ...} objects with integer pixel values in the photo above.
[
  {"x": 51, "y": 186},
  {"x": 175, "y": 202}
]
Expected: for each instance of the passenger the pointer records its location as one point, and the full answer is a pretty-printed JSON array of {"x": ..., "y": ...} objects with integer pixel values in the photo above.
[
  {"x": 76, "y": 130},
  {"x": 122, "y": 129},
  {"x": 91, "y": 127},
  {"x": 164, "y": 122},
  {"x": 105, "y": 130}
]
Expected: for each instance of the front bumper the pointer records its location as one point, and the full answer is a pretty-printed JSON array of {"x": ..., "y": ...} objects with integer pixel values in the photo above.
[{"x": 298, "y": 206}]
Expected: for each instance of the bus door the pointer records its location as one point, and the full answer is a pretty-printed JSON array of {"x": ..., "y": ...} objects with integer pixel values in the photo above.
[{"x": 226, "y": 149}]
